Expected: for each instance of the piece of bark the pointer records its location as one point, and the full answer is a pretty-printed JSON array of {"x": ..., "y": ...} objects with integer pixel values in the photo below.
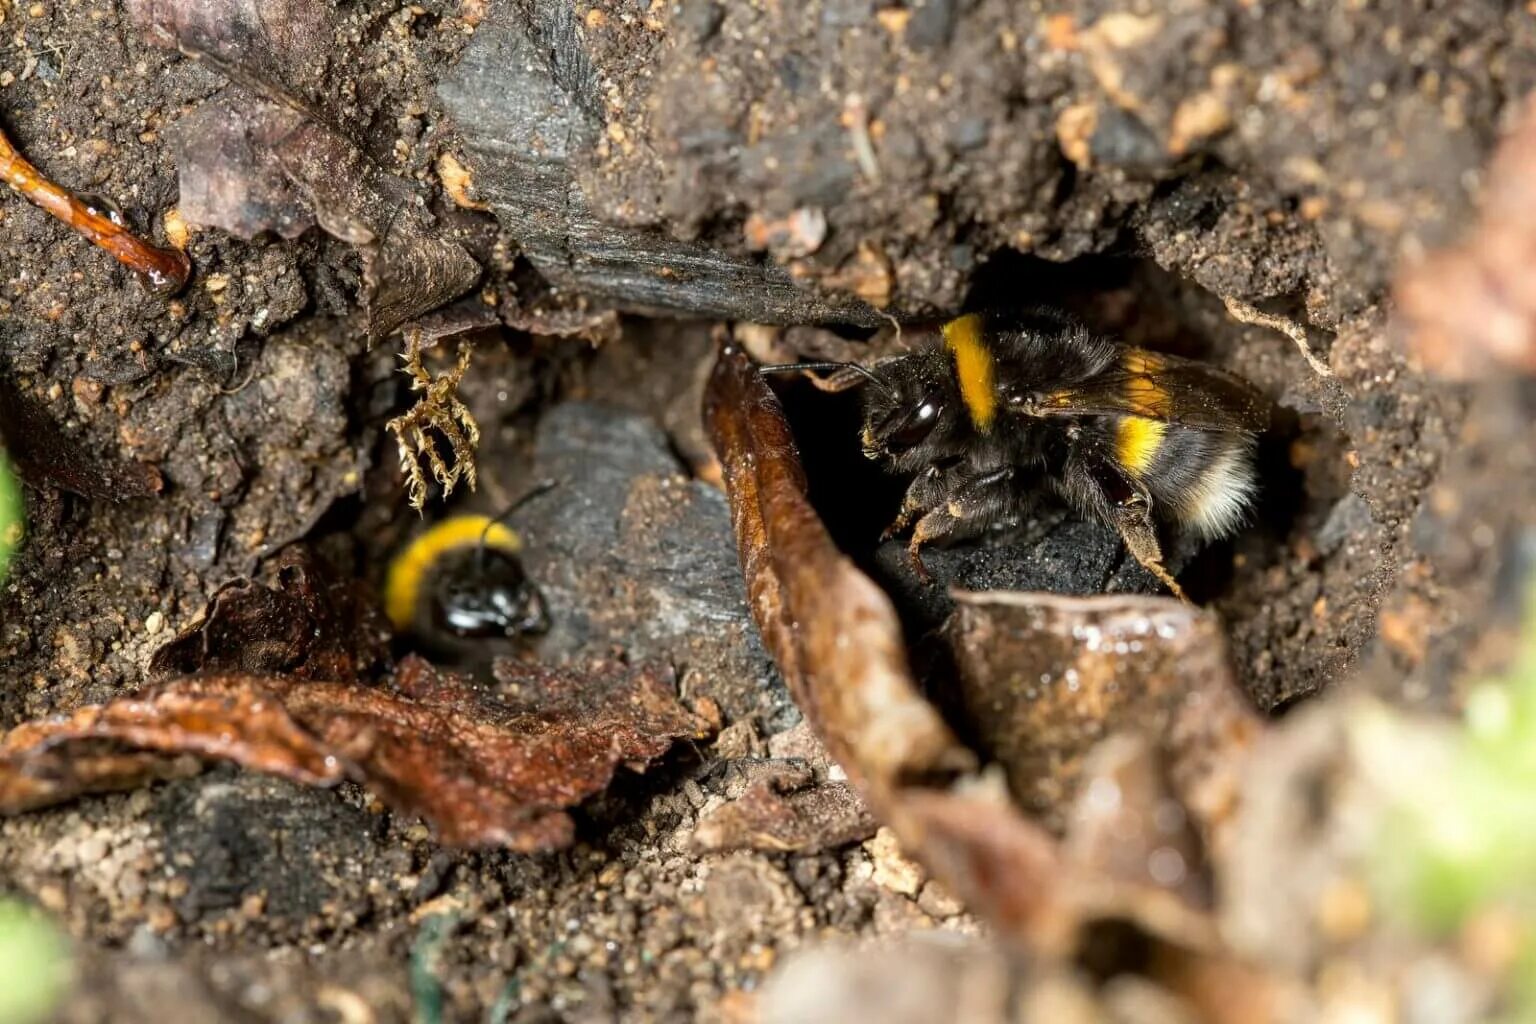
[{"x": 524, "y": 98}]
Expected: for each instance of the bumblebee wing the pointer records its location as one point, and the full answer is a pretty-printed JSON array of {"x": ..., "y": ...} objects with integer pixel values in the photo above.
[{"x": 1166, "y": 388}]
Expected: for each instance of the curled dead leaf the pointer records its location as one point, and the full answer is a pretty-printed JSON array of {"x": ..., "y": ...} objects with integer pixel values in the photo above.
[
  {"x": 1470, "y": 309},
  {"x": 483, "y": 771},
  {"x": 837, "y": 640},
  {"x": 1044, "y": 679},
  {"x": 278, "y": 690}
]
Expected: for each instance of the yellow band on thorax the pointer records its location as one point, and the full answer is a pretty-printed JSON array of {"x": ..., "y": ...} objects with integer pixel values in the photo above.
[
  {"x": 402, "y": 586},
  {"x": 973, "y": 368}
]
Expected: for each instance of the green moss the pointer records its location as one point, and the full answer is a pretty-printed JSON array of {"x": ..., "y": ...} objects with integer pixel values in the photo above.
[
  {"x": 12, "y": 515},
  {"x": 1459, "y": 834},
  {"x": 34, "y": 965},
  {"x": 1462, "y": 834}
]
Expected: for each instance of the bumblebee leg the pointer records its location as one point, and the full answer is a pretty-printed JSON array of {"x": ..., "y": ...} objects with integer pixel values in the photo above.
[
  {"x": 1134, "y": 521},
  {"x": 1101, "y": 485},
  {"x": 927, "y": 491},
  {"x": 970, "y": 504}
]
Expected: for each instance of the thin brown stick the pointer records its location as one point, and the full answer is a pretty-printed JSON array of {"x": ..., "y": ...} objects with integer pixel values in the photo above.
[
  {"x": 1242, "y": 312},
  {"x": 166, "y": 270}
]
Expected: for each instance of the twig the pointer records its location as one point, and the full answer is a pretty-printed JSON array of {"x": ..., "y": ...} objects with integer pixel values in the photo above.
[
  {"x": 166, "y": 270},
  {"x": 1242, "y": 312},
  {"x": 856, "y": 119}
]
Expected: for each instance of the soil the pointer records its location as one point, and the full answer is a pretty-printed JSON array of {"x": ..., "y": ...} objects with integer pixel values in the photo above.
[{"x": 1377, "y": 553}]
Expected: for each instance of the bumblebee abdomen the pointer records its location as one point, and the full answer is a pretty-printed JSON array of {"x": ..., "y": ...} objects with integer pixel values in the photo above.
[{"x": 1204, "y": 480}]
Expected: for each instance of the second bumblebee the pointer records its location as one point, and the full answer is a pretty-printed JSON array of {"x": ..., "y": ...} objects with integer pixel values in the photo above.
[{"x": 1007, "y": 409}]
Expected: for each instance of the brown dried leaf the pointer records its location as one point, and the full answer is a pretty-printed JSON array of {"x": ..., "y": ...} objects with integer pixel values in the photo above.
[
  {"x": 1470, "y": 309},
  {"x": 280, "y": 48},
  {"x": 837, "y": 640},
  {"x": 307, "y": 624},
  {"x": 492, "y": 772},
  {"x": 230, "y": 177},
  {"x": 44, "y": 454},
  {"x": 815, "y": 609},
  {"x": 253, "y": 166},
  {"x": 784, "y": 810},
  {"x": 51, "y": 776},
  {"x": 483, "y": 771},
  {"x": 1045, "y": 678},
  {"x": 232, "y": 718}
]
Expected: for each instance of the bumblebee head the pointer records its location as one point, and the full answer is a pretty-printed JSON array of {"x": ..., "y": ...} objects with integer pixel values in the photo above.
[
  {"x": 462, "y": 577},
  {"x": 912, "y": 406},
  {"x": 914, "y": 414},
  {"x": 483, "y": 592}
]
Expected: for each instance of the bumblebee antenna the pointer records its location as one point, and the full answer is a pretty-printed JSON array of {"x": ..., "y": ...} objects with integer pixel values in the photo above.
[
  {"x": 542, "y": 487},
  {"x": 793, "y": 367}
]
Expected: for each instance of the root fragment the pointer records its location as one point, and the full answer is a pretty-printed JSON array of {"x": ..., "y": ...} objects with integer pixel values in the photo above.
[
  {"x": 165, "y": 270},
  {"x": 1243, "y": 313},
  {"x": 438, "y": 409}
]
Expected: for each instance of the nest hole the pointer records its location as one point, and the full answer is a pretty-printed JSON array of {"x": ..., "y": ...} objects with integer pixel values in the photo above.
[{"x": 1267, "y": 581}]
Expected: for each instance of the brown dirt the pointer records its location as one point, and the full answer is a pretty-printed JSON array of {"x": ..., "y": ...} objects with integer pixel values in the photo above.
[{"x": 257, "y": 398}]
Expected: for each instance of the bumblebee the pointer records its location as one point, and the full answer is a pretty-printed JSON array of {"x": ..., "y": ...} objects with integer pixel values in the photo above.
[
  {"x": 1006, "y": 410},
  {"x": 464, "y": 576}
]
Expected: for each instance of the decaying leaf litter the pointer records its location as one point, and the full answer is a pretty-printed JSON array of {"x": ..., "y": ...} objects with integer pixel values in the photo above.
[{"x": 1273, "y": 219}]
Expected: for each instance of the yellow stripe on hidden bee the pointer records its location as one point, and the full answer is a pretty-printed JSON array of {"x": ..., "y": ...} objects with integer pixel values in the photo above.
[
  {"x": 1137, "y": 441},
  {"x": 402, "y": 585},
  {"x": 973, "y": 368}
]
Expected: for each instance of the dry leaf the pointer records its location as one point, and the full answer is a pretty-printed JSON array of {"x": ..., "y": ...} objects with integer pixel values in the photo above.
[
  {"x": 279, "y": 690},
  {"x": 483, "y": 771},
  {"x": 1470, "y": 309},
  {"x": 249, "y": 166},
  {"x": 785, "y": 810},
  {"x": 837, "y": 640}
]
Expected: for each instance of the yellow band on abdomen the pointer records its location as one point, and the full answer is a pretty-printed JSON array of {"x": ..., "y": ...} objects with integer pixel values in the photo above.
[
  {"x": 1137, "y": 441},
  {"x": 402, "y": 586},
  {"x": 973, "y": 368}
]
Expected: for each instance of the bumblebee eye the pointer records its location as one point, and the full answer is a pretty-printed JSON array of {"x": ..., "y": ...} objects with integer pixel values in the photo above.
[{"x": 914, "y": 430}]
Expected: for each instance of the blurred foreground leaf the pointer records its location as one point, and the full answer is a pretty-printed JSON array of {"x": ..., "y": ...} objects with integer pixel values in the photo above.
[
  {"x": 34, "y": 963},
  {"x": 11, "y": 515},
  {"x": 1458, "y": 843}
]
